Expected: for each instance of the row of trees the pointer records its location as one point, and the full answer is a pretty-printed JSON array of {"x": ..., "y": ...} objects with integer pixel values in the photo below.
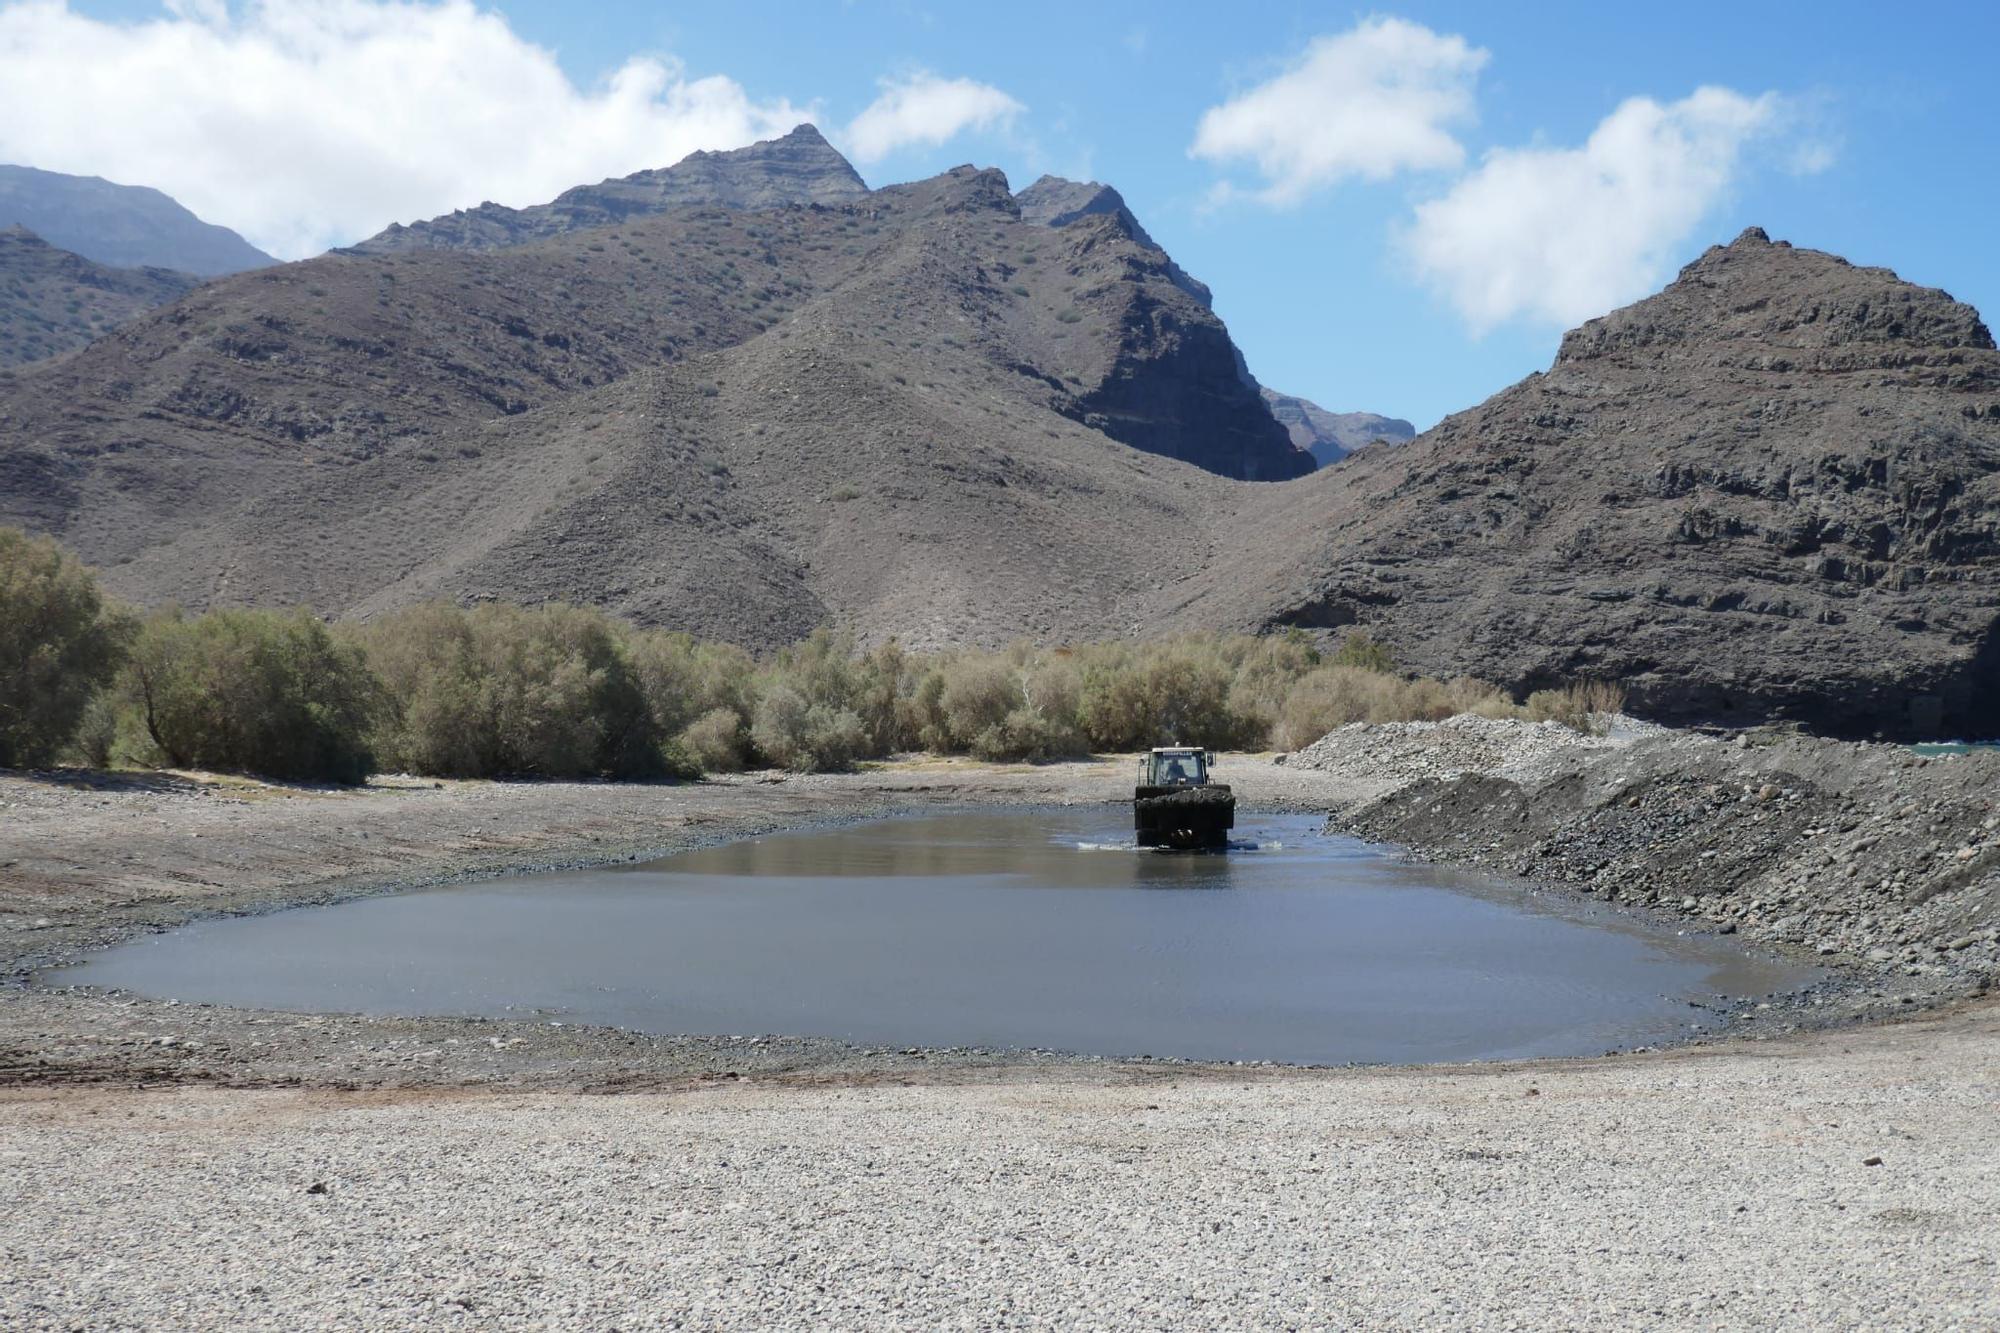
[{"x": 564, "y": 691}]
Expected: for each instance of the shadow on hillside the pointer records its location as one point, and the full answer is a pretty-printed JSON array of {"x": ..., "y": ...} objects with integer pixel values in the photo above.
[{"x": 95, "y": 779}]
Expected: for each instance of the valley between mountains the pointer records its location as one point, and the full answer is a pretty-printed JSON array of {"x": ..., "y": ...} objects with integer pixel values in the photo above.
[{"x": 747, "y": 395}]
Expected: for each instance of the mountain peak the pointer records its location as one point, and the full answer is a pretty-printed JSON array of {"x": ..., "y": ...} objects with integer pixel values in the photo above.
[
  {"x": 1805, "y": 302},
  {"x": 800, "y": 167},
  {"x": 1053, "y": 201},
  {"x": 125, "y": 226}
]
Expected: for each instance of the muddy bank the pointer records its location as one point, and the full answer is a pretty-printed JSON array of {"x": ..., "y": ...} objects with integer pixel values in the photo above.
[
  {"x": 1871, "y": 857},
  {"x": 87, "y": 860}
]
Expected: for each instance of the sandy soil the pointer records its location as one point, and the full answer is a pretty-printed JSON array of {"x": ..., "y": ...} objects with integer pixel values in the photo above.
[{"x": 162, "y": 1171}]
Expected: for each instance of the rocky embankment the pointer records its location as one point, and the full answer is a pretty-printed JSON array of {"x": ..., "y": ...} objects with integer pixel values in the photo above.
[{"x": 1872, "y": 856}]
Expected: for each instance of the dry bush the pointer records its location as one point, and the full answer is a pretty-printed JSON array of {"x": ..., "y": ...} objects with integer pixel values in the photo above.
[{"x": 1582, "y": 706}]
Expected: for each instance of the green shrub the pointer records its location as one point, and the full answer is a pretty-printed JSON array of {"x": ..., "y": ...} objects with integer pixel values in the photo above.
[
  {"x": 259, "y": 692},
  {"x": 1133, "y": 697},
  {"x": 512, "y": 691},
  {"x": 979, "y": 695},
  {"x": 1359, "y": 650},
  {"x": 714, "y": 742},
  {"x": 59, "y": 645},
  {"x": 806, "y": 737}
]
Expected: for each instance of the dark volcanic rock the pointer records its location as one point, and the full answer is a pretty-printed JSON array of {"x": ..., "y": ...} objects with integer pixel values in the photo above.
[
  {"x": 1772, "y": 490},
  {"x": 800, "y": 168},
  {"x": 1332, "y": 436},
  {"x": 52, "y": 301},
  {"x": 128, "y": 226},
  {"x": 1179, "y": 386},
  {"x": 1055, "y": 202}
]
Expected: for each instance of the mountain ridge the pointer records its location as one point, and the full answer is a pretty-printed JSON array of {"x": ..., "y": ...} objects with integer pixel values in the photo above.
[
  {"x": 801, "y": 167},
  {"x": 1332, "y": 436},
  {"x": 124, "y": 226},
  {"x": 1770, "y": 490}
]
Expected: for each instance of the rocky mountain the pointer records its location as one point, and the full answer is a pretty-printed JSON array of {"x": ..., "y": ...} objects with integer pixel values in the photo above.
[
  {"x": 126, "y": 226},
  {"x": 1054, "y": 202},
  {"x": 1771, "y": 490},
  {"x": 52, "y": 301},
  {"x": 930, "y": 411},
  {"x": 1332, "y": 436},
  {"x": 800, "y": 168},
  {"x": 913, "y": 413}
]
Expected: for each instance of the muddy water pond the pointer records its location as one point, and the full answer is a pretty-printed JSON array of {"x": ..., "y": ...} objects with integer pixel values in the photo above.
[{"x": 1042, "y": 929}]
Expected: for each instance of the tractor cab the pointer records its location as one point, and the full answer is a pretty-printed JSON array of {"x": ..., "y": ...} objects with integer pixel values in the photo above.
[{"x": 1174, "y": 766}]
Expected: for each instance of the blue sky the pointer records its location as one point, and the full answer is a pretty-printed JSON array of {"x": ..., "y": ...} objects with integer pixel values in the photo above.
[{"x": 1868, "y": 130}]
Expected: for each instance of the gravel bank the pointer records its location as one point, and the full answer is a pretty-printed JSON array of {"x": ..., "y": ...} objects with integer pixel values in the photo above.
[
  {"x": 1870, "y": 856},
  {"x": 1726, "y": 1188}
]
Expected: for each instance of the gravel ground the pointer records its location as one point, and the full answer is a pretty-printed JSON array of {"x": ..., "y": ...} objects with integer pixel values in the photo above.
[
  {"x": 1714, "y": 1189},
  {"x": 182, "y": 1166}
]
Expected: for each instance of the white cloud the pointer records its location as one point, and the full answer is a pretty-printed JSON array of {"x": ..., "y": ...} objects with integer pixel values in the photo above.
[
  {"x": 1564, "y": 234},
  {"x": 926, "y": 109},
  {"x": 1368, "y": 103},
  {"x": 309, "y": 123}
]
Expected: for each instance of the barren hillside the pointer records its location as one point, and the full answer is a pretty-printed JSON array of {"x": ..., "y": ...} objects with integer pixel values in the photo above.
[
  {"x": 52, "y": 301},
  {"x": 1773, "y": 488}
]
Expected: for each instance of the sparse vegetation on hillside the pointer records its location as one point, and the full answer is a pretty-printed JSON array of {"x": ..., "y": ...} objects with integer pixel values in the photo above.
[{"x": 558, "y": 691}]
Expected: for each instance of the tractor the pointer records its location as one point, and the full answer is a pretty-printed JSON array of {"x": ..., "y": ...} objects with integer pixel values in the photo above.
[{"x": 1176, "y": 806}]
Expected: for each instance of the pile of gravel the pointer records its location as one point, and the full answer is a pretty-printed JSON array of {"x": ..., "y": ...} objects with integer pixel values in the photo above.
[
  {"x": 1408, "y": 751},
  {"x": 1868, "y": 853}
]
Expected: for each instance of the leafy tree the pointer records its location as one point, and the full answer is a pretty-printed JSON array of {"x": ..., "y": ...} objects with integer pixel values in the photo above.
[
  {"x": 260, "y": 692},
  {"x": 59, "y": 645}
]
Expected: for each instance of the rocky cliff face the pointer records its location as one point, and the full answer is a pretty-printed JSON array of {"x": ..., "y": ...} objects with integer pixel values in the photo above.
[
  {"x": 800, "y": 168},
  {"x": 52, "y": 301},
  {"x": 125, "y": 226},
  {"x": 1771, "y": 490},
  {"x": 1332, "y": 436},
  {"x": 1177, "y": 385}
]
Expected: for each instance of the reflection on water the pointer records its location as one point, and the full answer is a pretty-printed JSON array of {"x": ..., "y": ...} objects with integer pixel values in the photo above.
[{"x": 1006, "y": 929}]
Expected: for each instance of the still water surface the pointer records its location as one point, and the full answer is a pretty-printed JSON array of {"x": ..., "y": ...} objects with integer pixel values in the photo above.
[{"x": 1002, "y": 929}]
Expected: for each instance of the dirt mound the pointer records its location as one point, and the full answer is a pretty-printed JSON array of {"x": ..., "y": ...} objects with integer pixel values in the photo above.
[
  {"x": 1404, "y": 751},
  {"x": 1870, "y": 852}
]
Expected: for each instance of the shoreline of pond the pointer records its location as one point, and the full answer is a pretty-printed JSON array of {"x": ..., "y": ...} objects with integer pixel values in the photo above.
[{"x": 404, "y": 834}]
